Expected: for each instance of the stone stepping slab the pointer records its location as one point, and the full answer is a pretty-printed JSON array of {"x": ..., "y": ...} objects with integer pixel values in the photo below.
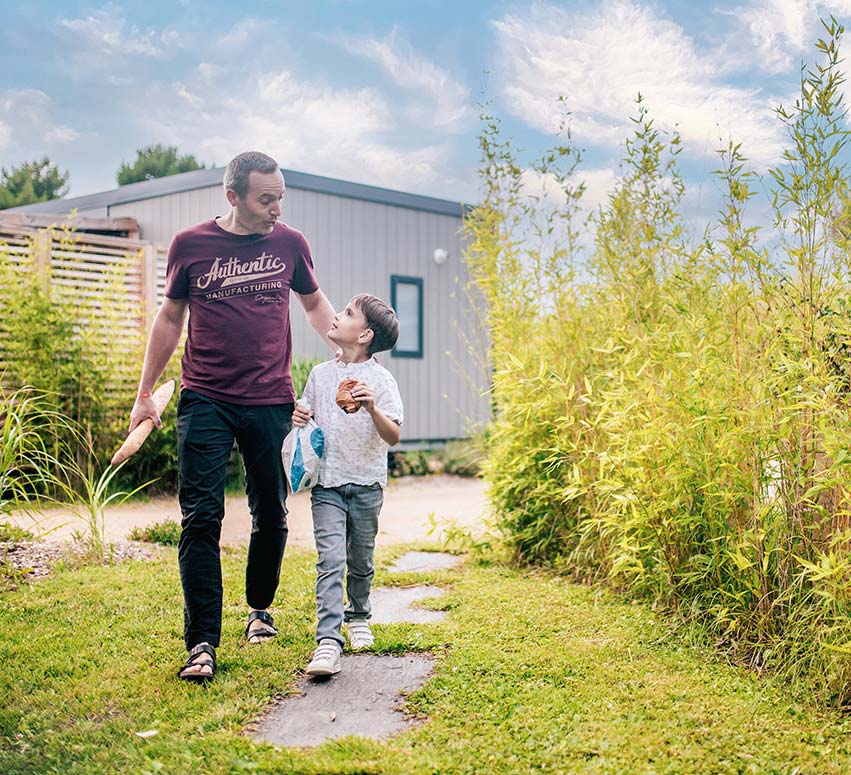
[
  {"x": 417, "y": 562},
  {"x": 393, "y": 604},
  {"x": 364, "y": 699}
]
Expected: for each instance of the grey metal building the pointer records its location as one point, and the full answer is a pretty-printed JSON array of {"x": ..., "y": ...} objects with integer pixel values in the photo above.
[{"x": 402, "y": 247}]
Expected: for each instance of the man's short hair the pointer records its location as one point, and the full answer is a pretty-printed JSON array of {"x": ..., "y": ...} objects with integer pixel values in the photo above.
[
  {"x": 381, "y": 318},
  {"x": 240, "y": 167}
]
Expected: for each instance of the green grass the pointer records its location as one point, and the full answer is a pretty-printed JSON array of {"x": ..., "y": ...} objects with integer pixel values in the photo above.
[
  {"x": 13, "y": 533},
  {"x": 533, "y": 674},
  {"x": 166, "y": 533}
]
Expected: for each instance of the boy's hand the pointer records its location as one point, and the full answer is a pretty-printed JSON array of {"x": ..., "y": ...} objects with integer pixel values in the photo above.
[
  {"x": 365, "y": 396},
  {"x": 301, "y": 416}
]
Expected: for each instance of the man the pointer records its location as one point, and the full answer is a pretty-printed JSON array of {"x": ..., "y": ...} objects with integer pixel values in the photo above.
[{"x": 233, "y": 274}]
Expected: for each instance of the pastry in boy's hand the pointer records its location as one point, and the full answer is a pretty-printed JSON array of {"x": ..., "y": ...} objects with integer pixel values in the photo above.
[{"x": 345, "y": 400}]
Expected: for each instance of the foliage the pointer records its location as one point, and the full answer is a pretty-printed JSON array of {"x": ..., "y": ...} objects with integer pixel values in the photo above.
[
  {"x": 52, "y": 343},
  {"x": 10, "y": 533},
  {"x": 89, "y": 503},
  {"x": 156, "y": 161},
  {"x": 156, "y": 460},
  {"x": 483, "y": 546},
  {"x": 33, "y": 181},
  {"x": 37, "y": 445},
  {"x": 39, "y": 451},
  {"x": 462, "y": 457},
  {"x": 301, "y": 369},
  {"x": 414, "y": 462},
  {"x": 672, "y": 412},
  {"x": 166, "y": 533},
  {"x": 55, "y": 343},
  {"x": 569, "y": 680}
]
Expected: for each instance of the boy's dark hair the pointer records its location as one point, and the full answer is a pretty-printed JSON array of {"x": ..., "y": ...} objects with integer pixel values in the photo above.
[
  {"x": 240, "y": 167},
  {"x": 381, "y": 318}
]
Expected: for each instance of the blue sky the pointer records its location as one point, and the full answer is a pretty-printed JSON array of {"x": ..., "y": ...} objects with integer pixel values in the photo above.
[{"x": 388, "y": 93}]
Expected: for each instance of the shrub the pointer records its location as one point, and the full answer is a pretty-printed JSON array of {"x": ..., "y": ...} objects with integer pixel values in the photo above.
[
  {"x": 38, "y": 449},
  {"x": 301, "y": 371},
  {"x": 56, "y": 342},
  {"x": 166, "y": 533},
  {"x": 672, "y": 414},
  {"x": 462, "y": 457},
  {"x": 156, "y": 460},
  {"x": 10, "y": 533},
  {"x": 408, "y": 463}
]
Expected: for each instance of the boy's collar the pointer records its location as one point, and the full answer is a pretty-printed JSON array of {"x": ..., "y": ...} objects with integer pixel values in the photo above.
[{"x": 348, "y": 364}]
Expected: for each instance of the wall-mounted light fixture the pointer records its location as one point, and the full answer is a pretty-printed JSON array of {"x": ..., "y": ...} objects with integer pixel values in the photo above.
[{"x": 440, "y": 255}]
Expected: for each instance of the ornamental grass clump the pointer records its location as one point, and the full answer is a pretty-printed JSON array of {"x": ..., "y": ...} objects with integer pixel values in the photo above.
[{"x": 671, "y": 409}]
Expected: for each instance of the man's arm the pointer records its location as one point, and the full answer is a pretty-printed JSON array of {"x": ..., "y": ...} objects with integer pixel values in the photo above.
[
  {"x": 320, "y": 314},
  {"x": 162, "y": 342}
]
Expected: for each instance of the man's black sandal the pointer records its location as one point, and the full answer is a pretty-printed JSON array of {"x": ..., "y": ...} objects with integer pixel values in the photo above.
[
  {"x": 193, "y": 661},
  {"x": 265, "y": 633}
]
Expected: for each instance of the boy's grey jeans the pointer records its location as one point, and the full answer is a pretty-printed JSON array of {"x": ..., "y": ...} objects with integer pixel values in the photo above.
[{"x": 345, "y": 523}]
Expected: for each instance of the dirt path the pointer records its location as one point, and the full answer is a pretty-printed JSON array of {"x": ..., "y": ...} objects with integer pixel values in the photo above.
[{"x": 404, "y": 517}]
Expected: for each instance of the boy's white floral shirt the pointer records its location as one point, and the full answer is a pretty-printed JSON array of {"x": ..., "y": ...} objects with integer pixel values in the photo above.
[{"x": 354, "y": 452}]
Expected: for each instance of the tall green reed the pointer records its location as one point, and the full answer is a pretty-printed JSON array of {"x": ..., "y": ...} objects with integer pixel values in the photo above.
[{"x": 671, "y": 410}]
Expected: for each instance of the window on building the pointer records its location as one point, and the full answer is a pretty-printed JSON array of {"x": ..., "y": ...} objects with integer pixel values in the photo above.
[{"x": 406, "y": 297}]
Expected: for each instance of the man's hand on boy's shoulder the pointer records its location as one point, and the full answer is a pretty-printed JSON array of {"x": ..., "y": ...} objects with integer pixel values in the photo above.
[
  {"x": 301, "y": 416},
  {"x": 365, "y": 396}
]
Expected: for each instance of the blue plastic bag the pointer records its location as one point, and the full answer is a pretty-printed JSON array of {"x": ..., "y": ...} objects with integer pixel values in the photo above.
[{"x": 302, "y": 455}]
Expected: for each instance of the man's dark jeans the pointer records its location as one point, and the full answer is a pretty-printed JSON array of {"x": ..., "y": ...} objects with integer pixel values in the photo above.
[{"x": 206, "y": 430}]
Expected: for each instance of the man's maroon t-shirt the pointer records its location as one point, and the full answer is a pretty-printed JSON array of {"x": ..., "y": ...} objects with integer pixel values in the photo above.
[{"x": 239, "y": 347}]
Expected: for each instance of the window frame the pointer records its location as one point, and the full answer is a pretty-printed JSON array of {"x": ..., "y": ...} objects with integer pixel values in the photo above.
[{"x": 395, "y": 281}]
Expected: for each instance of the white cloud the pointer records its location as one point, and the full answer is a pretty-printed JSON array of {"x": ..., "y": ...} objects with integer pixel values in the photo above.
[
  {"x": 599, "y": 184},
  {"x": 26, "y": 118},
  {"x": 309, "y": 126},
  {"x": 777, "y": 28},
  {"x": 783, "y": 34},
  {"x": 783, "y": 31},
  {"x": 599, "y": 62},
  {"x": 448, "y": 99},
  {"x": 193, "y": 100},
  {"x": 60, "y": 134},
  {"x": 108, "y": 30},
  {"x": 207, "y": 71},
  {"x": 240, "y": 34}
]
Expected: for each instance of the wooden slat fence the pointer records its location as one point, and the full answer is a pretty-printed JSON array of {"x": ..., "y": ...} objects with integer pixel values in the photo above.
[{"x": 114, "y": 281}]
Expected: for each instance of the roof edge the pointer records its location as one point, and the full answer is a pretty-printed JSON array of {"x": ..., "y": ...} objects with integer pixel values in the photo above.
[{"x": 206, "y": 178}]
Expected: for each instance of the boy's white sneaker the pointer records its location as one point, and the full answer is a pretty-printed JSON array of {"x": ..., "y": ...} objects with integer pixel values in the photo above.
[
  {"x": 360, "y": 634},
  {"x": 326, "y": 659}
]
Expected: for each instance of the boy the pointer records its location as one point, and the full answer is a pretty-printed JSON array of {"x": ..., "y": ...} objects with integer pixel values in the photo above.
[{"x": 349, "y": 492}]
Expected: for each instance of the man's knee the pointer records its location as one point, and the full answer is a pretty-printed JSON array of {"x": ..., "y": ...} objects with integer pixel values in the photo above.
[{"x": 202, "y": 518}]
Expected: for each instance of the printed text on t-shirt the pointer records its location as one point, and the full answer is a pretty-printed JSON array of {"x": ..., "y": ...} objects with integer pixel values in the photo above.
[{"x": 235, "y": 272}]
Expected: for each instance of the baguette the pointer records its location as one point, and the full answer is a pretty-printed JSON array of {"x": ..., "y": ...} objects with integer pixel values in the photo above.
[{"x": 162, "y": 395}]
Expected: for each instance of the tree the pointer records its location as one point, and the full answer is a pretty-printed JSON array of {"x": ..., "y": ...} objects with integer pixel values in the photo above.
[
  {"x": 32, "y": 181},
  {"x": 156, "y": 161}
]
